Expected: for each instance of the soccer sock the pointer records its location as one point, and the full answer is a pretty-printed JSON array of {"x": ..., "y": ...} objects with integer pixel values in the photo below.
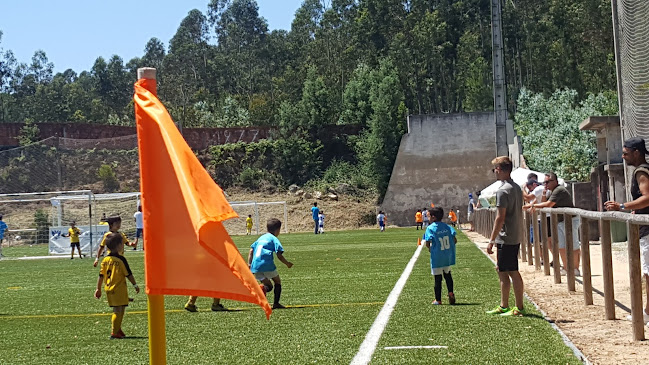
[
  {"x": 117, "y": 324},
  {"x": 438, "y": 288},
  {"x": 278, "y": 293},
  {"x": 449, "y": 281}
]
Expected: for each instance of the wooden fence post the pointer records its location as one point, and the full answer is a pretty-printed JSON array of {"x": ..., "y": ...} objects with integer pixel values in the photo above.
[
  {"x": 530, "y": 256},
  {"x": 525, "y": 238},
  {"x": 544, "y": 244},
  {"x": 585, "y": 261},
  {"x": 635, "y": 282},
  {"x": 554, "y": 219},
  {"x": 607, "y": 267},
  {"x": 570, "y": 254},
  {"x": 537, "y": 240}
]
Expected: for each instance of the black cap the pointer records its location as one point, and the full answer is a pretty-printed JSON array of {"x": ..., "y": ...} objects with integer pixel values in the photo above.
[
  {"x": 531, "y": 182},
  {"x": 636, "y": 143}
]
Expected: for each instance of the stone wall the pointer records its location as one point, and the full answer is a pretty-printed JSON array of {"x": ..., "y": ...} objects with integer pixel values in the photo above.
[{"x": 441, "y": 160}]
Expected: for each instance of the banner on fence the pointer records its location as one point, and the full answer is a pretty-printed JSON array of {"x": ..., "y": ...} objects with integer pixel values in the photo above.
[{"x": 60, "y": 245}]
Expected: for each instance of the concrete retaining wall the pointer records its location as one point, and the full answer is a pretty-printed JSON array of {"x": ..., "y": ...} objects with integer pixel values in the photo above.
[{"x": 441, "y": 160}]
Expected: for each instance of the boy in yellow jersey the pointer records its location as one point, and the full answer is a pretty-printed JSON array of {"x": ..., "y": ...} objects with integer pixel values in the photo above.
[
  {"x": 74, "y": 233},
  {"x": 114, "y": 272},
  {"x": 114, "y": 224},
  {"x": 249, "y": 224}
]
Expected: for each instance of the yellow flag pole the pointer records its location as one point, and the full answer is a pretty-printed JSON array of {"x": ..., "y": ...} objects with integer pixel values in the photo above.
[
  {"x": 157, "y": 335},
  {"x": 156, "y": 303}
]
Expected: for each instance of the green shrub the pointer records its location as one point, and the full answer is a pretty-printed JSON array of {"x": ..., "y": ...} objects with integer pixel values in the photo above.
[{"x": 107, "y": 176}]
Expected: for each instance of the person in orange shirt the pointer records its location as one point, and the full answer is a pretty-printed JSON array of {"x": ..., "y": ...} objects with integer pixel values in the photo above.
[
  {"x": 452, "y": 217},
  {"x": 419, "y": 219}
]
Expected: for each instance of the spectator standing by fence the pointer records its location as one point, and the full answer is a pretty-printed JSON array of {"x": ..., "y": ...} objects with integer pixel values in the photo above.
[
  {"x": 634, "y": 153},
  {"x": 561, "y": 198},
  {"x": 469, "y": 212},
  {"x": 506, "y": 236}
]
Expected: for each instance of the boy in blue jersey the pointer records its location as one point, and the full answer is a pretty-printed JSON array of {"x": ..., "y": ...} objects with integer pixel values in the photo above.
[
  {"x": 261, "y": 263},
  {"x": 440, "y": 241}
]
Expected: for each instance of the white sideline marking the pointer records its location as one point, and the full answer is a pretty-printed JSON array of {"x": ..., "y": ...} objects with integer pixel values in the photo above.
[
  {"x": 365, "y": 352},
  {"x": 413, "y": 347}
]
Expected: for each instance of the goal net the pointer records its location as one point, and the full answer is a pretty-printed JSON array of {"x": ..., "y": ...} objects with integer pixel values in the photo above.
[
  {"x": 260, "y": 212},
  {"x": 45, "y": 217}
]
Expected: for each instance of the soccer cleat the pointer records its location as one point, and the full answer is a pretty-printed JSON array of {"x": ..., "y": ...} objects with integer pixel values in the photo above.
[
  {"x": 451, "y": 298},
  {"x": 514, "y": 312},
  {"x": 498, "y": 310},
  {"x": 278, "y": 306},
  {"x": 436, "y": 302},
  {"x": 218, "y": 307},
  {"x": 191, "y": 307},
  {"x": 121, "y": 333},
  {"x": 116, "y": 336}
]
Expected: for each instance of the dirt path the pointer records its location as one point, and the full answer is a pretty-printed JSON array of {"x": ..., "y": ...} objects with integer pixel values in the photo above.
[{"x": 602, "y": 341}]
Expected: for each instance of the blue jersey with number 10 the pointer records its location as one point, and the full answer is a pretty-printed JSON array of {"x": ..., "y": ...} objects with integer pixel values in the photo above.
[{"x": 442, "y": 244}]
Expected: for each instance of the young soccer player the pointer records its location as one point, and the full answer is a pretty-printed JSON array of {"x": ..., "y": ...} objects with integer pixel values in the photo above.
[
  {"x": 114, "y": 224},
  {"x": 380, "y": 219},
  {"x": 321, "y": 220},
  {"x": 216, "y": 305},
  {"x": 262, "y": 264},
  {"x": 114, "y": 272},
  {"x": 3, "y": 228},
  {"x": 419, "y": 220},
  {"x": 249, "y": 224},
  {"x": 440, "y": 241},
  {"x": 73, "y": 233}
]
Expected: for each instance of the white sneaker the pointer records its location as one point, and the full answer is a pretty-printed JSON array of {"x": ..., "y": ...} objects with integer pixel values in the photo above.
[
  {"x": 645, "y": 318},
  {"x": 563, "y": 272},
  {"x": 577, "y": 272}
]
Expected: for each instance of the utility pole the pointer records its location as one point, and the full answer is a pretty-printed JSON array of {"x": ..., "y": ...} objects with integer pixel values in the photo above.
[{"x": 500, "y": 87}]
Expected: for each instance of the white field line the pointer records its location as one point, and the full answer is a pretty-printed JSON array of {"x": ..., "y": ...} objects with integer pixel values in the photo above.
[
  {"x": 365, "y": 352},
  {"x": 413, "y": 347}
]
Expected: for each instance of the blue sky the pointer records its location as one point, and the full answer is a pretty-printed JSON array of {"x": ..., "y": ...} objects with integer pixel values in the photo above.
[{"x": 73, "y": 33}]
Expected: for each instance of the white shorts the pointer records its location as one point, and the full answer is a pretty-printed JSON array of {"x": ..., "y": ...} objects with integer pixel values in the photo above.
[
  {"x": 440, "y": 270},
  {"x": 644, "y": 254},
  {"x": 561, "y": 236},
  {"x": 261, "y": 275}
]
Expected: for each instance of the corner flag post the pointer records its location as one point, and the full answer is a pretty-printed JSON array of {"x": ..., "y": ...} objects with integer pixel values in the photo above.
[{"x": 155, "y": 303}]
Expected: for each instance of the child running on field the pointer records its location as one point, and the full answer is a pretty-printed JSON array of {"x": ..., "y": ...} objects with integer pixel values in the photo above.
[
  {"x": 380, "y": 219},
  {"x": 74, "y": 233},
  {"x": 114, "y": 272},
  {"x": 114, "y": 224},
  {"x": 440, "y": 241},
  {"x": 321, "y": 220},
  {"x": 249, "y": 224},
  {"x": 262, "y": 264}
]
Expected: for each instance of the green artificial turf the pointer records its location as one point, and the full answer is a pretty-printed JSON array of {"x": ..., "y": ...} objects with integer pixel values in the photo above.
[{"x": 334, "y": 292}]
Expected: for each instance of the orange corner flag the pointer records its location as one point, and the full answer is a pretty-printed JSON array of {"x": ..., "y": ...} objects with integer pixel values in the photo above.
[{"x": 188, "y": 251}]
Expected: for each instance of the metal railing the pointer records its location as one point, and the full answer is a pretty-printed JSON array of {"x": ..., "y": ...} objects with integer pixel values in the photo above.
[{"x": 532, "y": 253}]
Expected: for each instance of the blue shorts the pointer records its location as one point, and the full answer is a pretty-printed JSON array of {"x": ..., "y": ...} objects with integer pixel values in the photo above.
[{"x": 139, "y": 233}]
